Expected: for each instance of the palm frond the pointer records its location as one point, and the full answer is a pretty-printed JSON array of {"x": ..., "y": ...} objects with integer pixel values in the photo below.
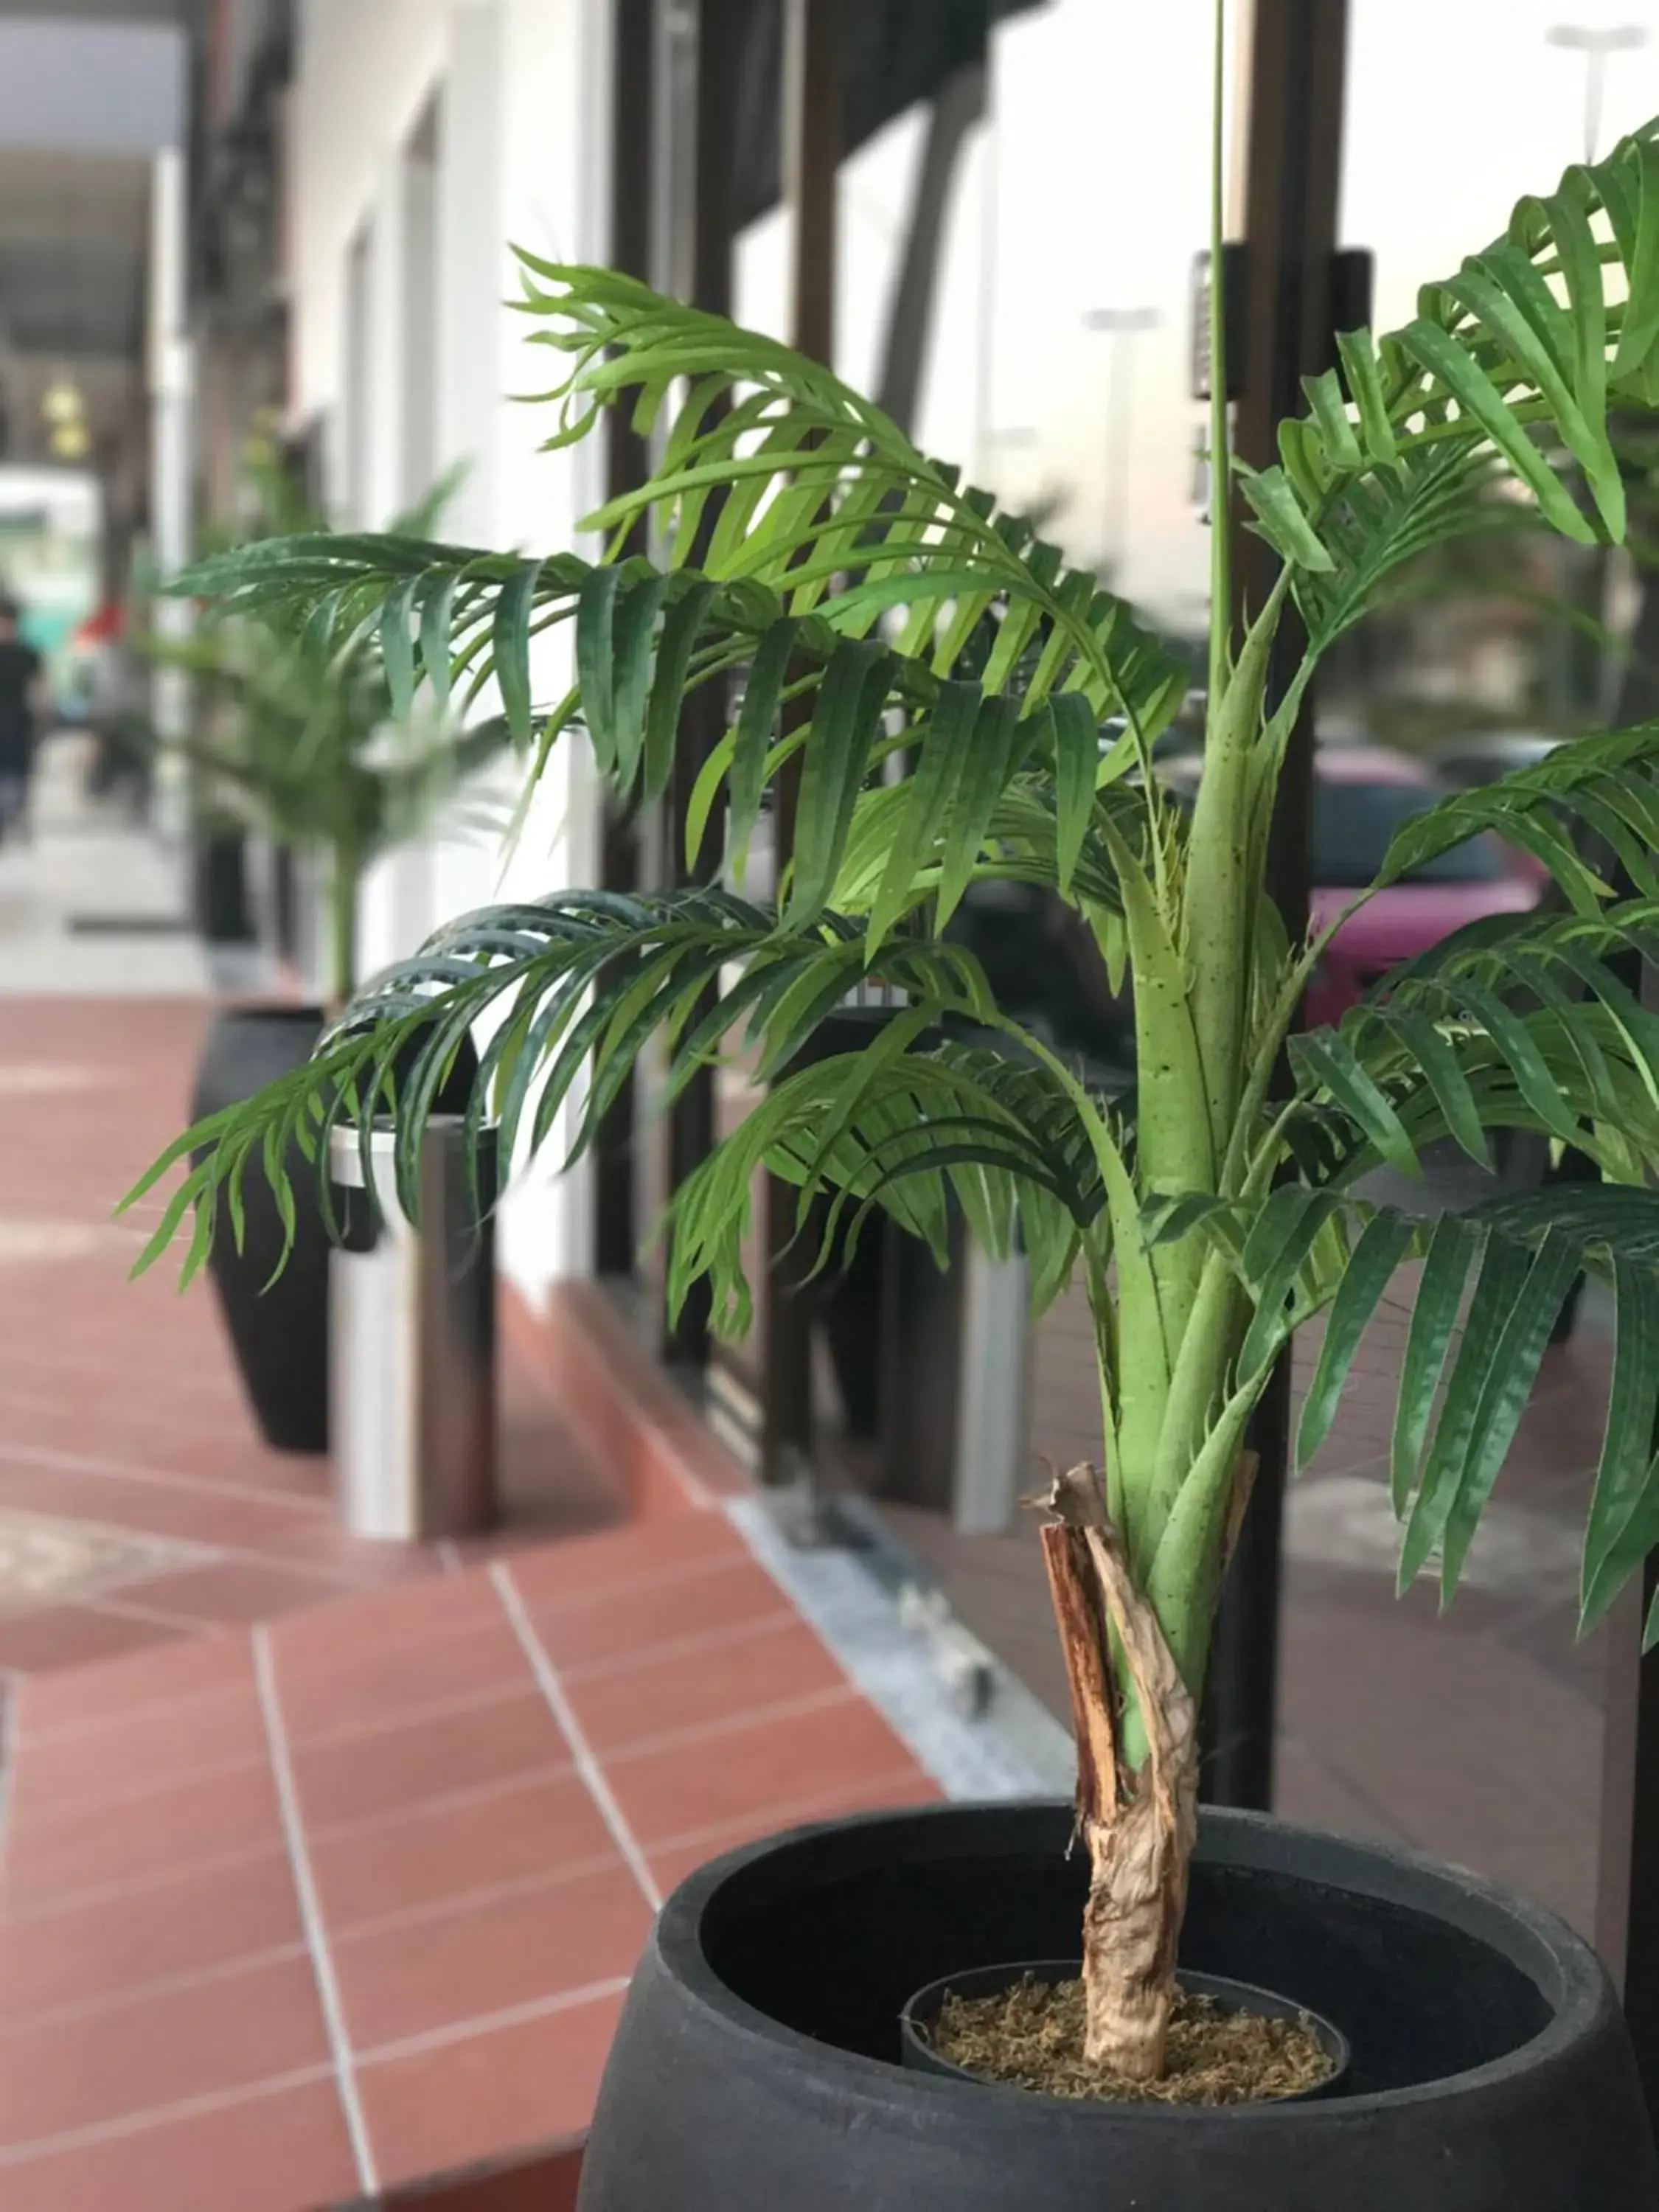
[
  {"x": 1493, "y": 1283},
  {"x": 577, "y": 985},
  {"x": 1375, "y": 523},
  {"x": 1519, "y": 1021},
  {"x": 1601, "y": 790},
  {"x": 308, "y": 736},
  {"x": 843, "y": 565},
  {"x": 1523, "y": 350},
  {"x": 824, "y": 499},
  {"x": 914, "y": 1133}
]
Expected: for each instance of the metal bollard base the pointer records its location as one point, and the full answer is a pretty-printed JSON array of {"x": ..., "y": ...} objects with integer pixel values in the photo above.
[{"x": 412, "y": 1352}]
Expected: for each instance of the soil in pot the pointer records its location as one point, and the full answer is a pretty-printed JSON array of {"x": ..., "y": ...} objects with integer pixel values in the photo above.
[{"x": 1030, "y": 2035}]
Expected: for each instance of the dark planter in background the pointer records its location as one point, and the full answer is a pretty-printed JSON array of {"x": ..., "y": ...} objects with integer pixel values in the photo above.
[
  {"x": 757, "y": 2063},
  {"x": 279, "y": 1330},
  {"x": 221, "y": 912},
  {"x": 284, "y": 903}
]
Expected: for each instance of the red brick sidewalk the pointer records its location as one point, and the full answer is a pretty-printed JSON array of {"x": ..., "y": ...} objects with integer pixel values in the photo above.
[
  {"x": 134, "y": 1489},
  {"x": 340, "y": 1903},
  {"x": 303, "y": 1900}
]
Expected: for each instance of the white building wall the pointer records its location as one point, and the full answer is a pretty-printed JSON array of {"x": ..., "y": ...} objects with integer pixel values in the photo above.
[
  {"x": 1043, "y": 227},
  {"x": 520, "y": 86},
  {"x": 366, "y": 68}
]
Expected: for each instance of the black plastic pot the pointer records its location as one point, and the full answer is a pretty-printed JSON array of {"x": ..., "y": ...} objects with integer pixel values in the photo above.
[
  {"x": 756, "y": 2064},
  {"x": 278, "y": 1329},
  {"x": 220, "y": 889},
  {"x": 919, "y": 2012}
]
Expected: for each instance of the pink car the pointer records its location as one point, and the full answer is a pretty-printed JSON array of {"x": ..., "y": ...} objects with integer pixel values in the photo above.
[{"x": 1362, "y": 795}]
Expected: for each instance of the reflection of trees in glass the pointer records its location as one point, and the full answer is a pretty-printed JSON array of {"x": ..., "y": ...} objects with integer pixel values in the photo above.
[
  {"x": 1514, "y": 600},
  {"x": 1636, "y": 438}
]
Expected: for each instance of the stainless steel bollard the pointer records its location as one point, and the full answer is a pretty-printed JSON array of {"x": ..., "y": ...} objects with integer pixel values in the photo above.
[
  {"x": 412, "y": 1344},
  {"x": 992, "y": 1404}
]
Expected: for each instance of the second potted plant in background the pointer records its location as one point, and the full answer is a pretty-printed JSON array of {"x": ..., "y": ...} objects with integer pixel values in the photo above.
[{"x": 303, "y": 737}]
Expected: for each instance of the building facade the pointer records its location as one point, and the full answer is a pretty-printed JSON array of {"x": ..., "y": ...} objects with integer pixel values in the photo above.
[{"x": 423, "y": 136}]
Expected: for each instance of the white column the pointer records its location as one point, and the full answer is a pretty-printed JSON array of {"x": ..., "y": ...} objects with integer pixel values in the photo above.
[
  {"x": 554, "y": 92},
  {"x": 382, "y": 473},
  {"x": 395, "y": 900},
  {"x": 472, "y": 264},
  {"x": 169, "y": 377},
  {"x": 471, "y": 368}
]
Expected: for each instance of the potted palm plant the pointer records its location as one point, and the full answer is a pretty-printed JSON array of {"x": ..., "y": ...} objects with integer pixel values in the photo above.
[
  {"x": 306, "y": 739},
  {"x": 963, "y": 707}
]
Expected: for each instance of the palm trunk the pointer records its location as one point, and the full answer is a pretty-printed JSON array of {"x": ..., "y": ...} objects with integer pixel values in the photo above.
[
  {"x": 343, "y": 926},
  {"x": 1137, "y": 1816}
]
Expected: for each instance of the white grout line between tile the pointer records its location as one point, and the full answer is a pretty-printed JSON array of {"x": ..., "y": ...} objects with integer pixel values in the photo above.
[
  {"x": 475, "y": 1901},
  {"x": 156, "y": 2116},
  {"x": 423, "y": 1635},
  {"x": 793, "y": 1811},
  {"x": 459, "y": 2031},
  {"x": 120, "y": 1470},
  {"x": 195, "y": 1556},
  {"x": 76, "y": 1811},
  {"x": 80, "y": 1901},
  {"x": 413, "y": 1716},
  {"x": 648, "y": 1578},
  {"x": 686, "y": 1647},
  {"x": 164, "y": 1985},
  {"x": 710, "y": 1731},
  {"x": 553, "y": 1690},
  {"x": 448, "y": 1800},
  {"x": 208, "y": 1420},
  {"x": 81, "y": 1731},
  {"x": 149, "y": 1616},
  {"x": 478, "y": 1793},
  {"x": 179, "y": 1377},
  {"x": 310, "y": 1916}
]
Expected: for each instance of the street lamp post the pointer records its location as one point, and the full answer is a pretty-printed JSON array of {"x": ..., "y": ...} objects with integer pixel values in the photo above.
[
  {"x": 1596, "y": 43},
  {"x": 1121, "y": 324}
]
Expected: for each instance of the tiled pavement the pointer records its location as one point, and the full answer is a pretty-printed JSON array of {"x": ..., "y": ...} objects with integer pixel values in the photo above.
[
  {"x": 138, "y": 1503},
  {"x": 352, "y": 1898}
]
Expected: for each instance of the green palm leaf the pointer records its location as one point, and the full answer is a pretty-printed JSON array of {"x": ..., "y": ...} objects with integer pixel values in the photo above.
[
  {"x": 1603, "y": 787},
  {"x": 1507, "y": 357},
  {"x": 914, "y": 1133}
]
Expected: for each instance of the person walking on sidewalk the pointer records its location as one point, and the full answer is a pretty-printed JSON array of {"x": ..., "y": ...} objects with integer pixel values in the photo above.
[{"x": 22, "y": 697}]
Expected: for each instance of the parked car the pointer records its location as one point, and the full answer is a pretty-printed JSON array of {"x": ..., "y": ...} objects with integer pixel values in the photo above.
[
  {"x": 1480, "y": 757},
  {"x": 1362, "y": 795}
]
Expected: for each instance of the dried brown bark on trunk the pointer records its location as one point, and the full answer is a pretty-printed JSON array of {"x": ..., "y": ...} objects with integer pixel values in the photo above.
[{"x": 1139, "y": 1828}]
